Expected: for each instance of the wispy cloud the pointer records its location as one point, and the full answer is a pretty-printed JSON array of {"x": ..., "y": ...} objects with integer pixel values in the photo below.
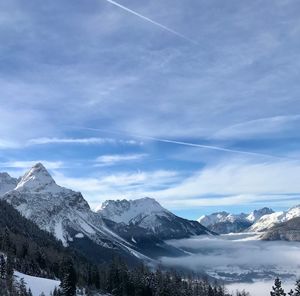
[
  {"x": 152, "y": 21},
  {"x": 29, "y": 163},
  {"x": 111, "y": 159},
  {"x": 86, "y": 141},
  {"x": 235, "y": 182},
  {"x": 182, "y": 143},
  {"x": 97, "y": 189},
  {"x": 266, "y": 127}
]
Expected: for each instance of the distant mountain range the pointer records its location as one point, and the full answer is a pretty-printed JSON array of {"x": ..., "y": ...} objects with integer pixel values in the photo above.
[
  {"x": 272, "y": 225},
  {"x": 135, "y": 230},
  {"x": 224, "y": 222}
]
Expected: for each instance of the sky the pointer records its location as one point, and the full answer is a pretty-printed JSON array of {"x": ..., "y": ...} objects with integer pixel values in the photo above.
[{"x": 194, "y": 103}]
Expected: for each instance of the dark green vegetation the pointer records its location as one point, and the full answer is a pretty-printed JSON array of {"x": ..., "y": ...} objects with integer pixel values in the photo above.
[
  {"x": 32, "y": 251},
  {"x": 277, "y": 289}
]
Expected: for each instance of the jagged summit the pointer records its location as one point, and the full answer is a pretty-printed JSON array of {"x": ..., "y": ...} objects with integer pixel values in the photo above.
[
  {"x": 129, "y": 211},
  {"x": 224, "y": 222},
  {"x": 37, "y": 179},
  {"x": 146, "y": 213},
  {"x": 257, "y": 214}
]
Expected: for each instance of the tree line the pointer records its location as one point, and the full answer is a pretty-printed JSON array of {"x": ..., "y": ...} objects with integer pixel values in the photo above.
[{"x": 32, "y": 251}]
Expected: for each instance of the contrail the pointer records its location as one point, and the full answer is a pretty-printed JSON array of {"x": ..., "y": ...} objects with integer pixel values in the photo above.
[
  {"x": 150, "y": 20},
  {"x": 211, "y": 147}
]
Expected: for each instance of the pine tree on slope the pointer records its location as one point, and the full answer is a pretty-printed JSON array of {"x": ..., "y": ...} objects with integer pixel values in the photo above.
[
  {"x": 277, "y": 289},
  {"x": 69, "y": 280}
]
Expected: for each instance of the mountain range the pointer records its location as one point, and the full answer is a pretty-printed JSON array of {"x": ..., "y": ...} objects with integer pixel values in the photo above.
[
  {"x": 135, "y": 230},
  {"x": 284, "y": 225},
  {"x": 224, "y": 222}
]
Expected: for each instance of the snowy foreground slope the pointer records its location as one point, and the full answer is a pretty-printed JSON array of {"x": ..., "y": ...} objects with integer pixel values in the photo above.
[{"x": 37, "y": 285}]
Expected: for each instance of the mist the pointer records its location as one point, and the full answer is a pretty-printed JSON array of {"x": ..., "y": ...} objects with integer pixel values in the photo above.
[{"x": 237, "y": 258}]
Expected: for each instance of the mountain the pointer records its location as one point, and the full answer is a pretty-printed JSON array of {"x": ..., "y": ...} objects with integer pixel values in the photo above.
[
  {"x": 7, "y": 183},
  {"x": 224, "y": 222},
  {"x": 133, "y": 230},
  {"x": 67, "y": 215},
  {"x": 288, "y": 231},
  {"x": 268, "y": 221},
  {"x": 36, "y": 252},
  {"x": 148, "y": 215}
]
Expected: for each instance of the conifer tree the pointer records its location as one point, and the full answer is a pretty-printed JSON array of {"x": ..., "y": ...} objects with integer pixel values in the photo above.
[
  {"x": 22, "y": 288},
  {"x": 2, "y": 267},
  {"x": 69, "y": 279},
  {"x": 277, "y": 290},
  {"x": 297, "y": 288}
]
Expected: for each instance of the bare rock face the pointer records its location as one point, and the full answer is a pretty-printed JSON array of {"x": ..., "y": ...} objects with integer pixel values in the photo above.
[
  {"x": 7, "y": 183},
  {"x": 146, "y": 213},
  {"x": 288, "y": 231}
]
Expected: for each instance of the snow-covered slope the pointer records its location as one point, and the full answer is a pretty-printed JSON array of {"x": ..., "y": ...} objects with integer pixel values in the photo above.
[
  {"x": 61, "y": 211},
  {"x": 268, "y": 221},
  {"x": 37, "y": 285},
  {"x": 148, "y": 214},
  {"x": 7, "y": 183},
  {"x": 224, "y": 222},
  {"x": 257, "y": 214}
]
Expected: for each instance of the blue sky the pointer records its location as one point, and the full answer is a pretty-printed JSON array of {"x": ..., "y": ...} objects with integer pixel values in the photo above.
[{"x": 194, "y": 103}]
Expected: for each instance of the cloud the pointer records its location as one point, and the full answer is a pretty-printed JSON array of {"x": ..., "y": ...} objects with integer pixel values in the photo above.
[
  {"x": 99, "y": 188},
  {"x": 111, "y": 159},
  {"x": 181, "y": 143},
  {"x": 238, "y": 257},
  {"x": 151, "y": 21},
  {"x": 4, "y": 144},
  {"x": 19, "y": 168},
  {"x": 235, "y": 182},
  {"x": 86, "y": 141},
  {"x": 263, "y": 127}
]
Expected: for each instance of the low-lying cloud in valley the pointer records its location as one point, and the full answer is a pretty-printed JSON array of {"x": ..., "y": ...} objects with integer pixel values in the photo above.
[{"x": 238, "y": 257}]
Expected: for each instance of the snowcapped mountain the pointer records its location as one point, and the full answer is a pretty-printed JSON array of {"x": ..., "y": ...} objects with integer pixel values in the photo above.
[
  {"x": 132, "y": 229},
  {"x": 224, "y": 222},
  {"x": 257, "y": 214},
  {"x": 7, "y": 183},
  {"x": 288, "y": 231},
  {"x": 268, "y": 221},
  {"x": 146, "y": 213},
  {"x": 64, "y": 213}
]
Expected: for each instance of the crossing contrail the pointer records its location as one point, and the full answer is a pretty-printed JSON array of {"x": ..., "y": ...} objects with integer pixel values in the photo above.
[
  {"x": 150, "y": 21},
  {"x": 210, "y": 147}
]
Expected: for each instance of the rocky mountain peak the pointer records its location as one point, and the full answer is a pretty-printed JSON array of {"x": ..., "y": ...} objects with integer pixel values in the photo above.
[
  {"x": 37, "y": 179},
  {"x": 126, "y": 211},
  {"x": 257, "y": 214}
]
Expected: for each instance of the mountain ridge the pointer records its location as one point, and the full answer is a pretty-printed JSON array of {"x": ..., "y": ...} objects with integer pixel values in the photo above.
[{"x": 68, "y": 216}]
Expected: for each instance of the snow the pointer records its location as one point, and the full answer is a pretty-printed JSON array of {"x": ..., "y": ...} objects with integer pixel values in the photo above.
[
  {"x": 214, "y": 218},
  {"x": 79, "y": 235},
  {"x": 132, "y": 211},
  {"x": 208, "y": 220},
  {"x": 268, "y": 221},
  {"x": 37, "y": 285},
  {"x": 259, "y": 288},
  {"x": 59, "y": 233},
  {"x": 7, "y": 183}
]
